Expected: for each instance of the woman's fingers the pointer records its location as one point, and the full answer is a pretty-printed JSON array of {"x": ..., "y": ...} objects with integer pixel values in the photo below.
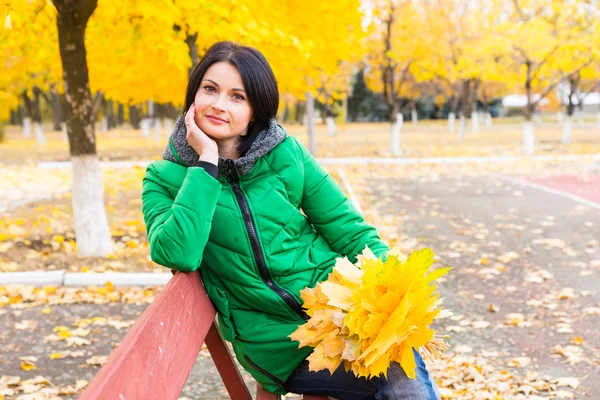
[{"x": 189, "y": 117}]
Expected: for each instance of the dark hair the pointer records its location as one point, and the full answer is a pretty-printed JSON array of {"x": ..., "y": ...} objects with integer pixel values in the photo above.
[{"x": 258, "y": 79}]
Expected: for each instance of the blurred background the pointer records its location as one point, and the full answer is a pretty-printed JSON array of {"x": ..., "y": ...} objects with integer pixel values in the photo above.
[{"x": 468, "y": 126}]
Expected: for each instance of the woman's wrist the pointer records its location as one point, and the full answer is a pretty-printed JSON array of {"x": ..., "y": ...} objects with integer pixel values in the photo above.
[{"x": 210, "y": 157}]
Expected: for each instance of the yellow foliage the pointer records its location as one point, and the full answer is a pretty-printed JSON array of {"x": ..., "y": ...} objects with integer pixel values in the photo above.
[{"x": 373, "y": 313}]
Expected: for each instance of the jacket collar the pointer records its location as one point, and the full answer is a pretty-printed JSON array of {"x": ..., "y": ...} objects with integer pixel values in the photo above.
[{"x": 179, "y": 151}]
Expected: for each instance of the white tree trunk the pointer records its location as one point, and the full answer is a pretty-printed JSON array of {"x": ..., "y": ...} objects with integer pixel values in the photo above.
[
  {"x": 157, "y": 130},
  {"x": 145, "y": 126},
  {"x": 63, "y": 129},
  {"x": 395, "y": 136},
  {"x": 91, "y": 225},
  {"x": 39, "y": 133},
  {"x": 566, "y": 131},
  {"x": 488, "y": 120},
  {"x": 528, "y": 137},
  {"x": 150, "y": 108},
  {"x": 559, "y": 117},
  {"x": 462, "y": 127},
  {"x": 104, "y": 124},
  {"x": 27, "y": 127},
  {"x": 475, "y": 121},
  {"x": 330, "y": 126},
  {"x": 451, "y": 122},
  {"x": 413, "y": 114},
  {"x": 169, "y": 124}
]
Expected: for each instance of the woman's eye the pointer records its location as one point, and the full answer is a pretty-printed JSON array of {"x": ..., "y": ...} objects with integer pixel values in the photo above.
[
  {"x": 238, "y": 97},
  {"x": 209, "y": 88}
]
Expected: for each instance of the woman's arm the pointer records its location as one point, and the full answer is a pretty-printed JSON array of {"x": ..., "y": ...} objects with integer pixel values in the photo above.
[
  {"x": 178, "y": 228},
  {"x": 333, "y": 214}
]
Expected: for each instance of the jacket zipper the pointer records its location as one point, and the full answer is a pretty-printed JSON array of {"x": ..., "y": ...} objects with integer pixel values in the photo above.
[
  {"x": 233, "y": 178},
  {"x": 266, "y": 373}
]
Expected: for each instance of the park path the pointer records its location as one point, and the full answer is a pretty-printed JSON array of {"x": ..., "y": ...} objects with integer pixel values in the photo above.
[
  {"x": 515, "y": 249},
  {"x": 526, "y": 265}
]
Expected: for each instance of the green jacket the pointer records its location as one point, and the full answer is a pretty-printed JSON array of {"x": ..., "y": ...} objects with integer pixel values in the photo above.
[{"x": 258, "y": 238}]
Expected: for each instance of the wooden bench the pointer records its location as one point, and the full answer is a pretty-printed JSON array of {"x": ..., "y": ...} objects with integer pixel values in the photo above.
[{"x": 158, "y": 352}]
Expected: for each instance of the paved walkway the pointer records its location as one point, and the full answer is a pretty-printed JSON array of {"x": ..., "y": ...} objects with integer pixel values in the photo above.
[{"x": 516, "y": 250}]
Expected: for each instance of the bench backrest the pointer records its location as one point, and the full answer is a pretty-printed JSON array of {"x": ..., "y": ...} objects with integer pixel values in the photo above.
[{"x": 156, "y": 356}]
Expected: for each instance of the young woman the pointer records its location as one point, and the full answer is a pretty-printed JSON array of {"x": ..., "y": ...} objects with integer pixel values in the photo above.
[{"x": 250, "y": 207}]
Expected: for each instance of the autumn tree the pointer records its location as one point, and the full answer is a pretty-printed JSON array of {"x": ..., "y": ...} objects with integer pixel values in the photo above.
[{"x": 538, "y": 38}]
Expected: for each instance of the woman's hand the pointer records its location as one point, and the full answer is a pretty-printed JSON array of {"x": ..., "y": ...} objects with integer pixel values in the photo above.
[{"x": 205, "y": 146}]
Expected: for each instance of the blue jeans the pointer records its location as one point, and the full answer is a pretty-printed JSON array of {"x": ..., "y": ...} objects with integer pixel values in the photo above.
[{"x": 344, "y": 385}]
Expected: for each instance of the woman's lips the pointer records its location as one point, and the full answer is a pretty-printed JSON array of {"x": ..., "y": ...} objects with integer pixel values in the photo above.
[{"x": 215, "y": 120}]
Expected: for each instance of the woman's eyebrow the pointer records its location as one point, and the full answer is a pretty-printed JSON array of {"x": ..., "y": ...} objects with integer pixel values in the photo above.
[{"x": 216, "y": 84}]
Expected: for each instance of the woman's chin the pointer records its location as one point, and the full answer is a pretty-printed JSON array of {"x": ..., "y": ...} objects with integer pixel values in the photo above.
[{"x": 211, "y": 132}]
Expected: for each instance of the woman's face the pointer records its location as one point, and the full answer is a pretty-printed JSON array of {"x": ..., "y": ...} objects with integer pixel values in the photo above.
[{"x": 222, "y": 107}]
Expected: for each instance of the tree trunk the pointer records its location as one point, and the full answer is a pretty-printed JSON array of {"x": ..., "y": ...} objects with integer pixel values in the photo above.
[
  {"x": 57, "y": 116},
  {"x": 36, "y": 116},
  {"x": 528, "y": 127},
  {"x": 451, "y": 122},
  {"x": 395, "y": 136},
  {"x": 120, "y": 115},
  {"x": 27, "y": 114},
  {"x": 465, "y": 108},
  {"x": 488, "y": 120},
  {"x": 14, "y": 117},
  {"x": 134, "y": 117},
  {"x": 190, "y": 40},
  {"x": 568, "y": 121},
  {"x": 475, "y": 121},
  {"x": 110, "y": 115},
  {"x": 91, "y": 225},
  {"x": 157, "y": 122},
  {"x": 104, "y": 119},
  {"x": 330, "y": 125},
  {"x": 310, "y": 122},
  {"x": 566, "y": 129},
  {"x": 529, "y": 130}
]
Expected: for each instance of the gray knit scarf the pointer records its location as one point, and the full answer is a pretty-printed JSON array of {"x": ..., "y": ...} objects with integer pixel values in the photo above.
[{"x": 265, "y": 141}]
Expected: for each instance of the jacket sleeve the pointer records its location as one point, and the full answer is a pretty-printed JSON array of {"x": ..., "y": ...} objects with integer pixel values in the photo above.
[
  {"x": 333, "y": 215},
  {"x": 178, "y": 228}
]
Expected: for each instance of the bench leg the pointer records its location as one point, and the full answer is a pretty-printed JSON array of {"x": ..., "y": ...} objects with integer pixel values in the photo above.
[
  {"x": 262, "y": 394},
  {"x": 234, "y": 383}
]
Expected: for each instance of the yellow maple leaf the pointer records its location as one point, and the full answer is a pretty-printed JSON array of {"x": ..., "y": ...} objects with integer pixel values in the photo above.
[
  {"x": 27, "y": 365},
  {"x": 372, "y": 314},
  {"x": 338, "y": 295}
]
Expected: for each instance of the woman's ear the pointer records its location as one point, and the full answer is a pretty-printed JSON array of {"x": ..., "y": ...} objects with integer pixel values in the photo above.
[{"x": 248, "y": 127}]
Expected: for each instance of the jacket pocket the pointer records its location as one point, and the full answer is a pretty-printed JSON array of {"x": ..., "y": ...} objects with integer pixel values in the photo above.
[
  {"x": 218, "y": 298},
  {"x": 266, "y": 373}
]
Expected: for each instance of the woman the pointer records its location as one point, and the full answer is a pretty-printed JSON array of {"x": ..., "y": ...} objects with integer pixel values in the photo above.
[{"x": 252, "y": 209}]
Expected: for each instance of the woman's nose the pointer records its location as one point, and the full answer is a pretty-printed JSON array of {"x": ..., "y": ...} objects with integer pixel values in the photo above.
[{"x": 219, "y": 104}]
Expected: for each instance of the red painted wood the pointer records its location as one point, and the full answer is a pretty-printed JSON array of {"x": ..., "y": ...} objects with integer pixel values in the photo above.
[
  {"x": 156, "y": 356},
  {"x": 262, "y": 394},
  {"x": 234, "y": 383},
  {"x": 314, "y": 397}
]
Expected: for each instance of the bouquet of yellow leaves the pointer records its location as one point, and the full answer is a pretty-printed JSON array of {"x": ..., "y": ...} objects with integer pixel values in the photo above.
[{"x": 373, "y": 313}]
